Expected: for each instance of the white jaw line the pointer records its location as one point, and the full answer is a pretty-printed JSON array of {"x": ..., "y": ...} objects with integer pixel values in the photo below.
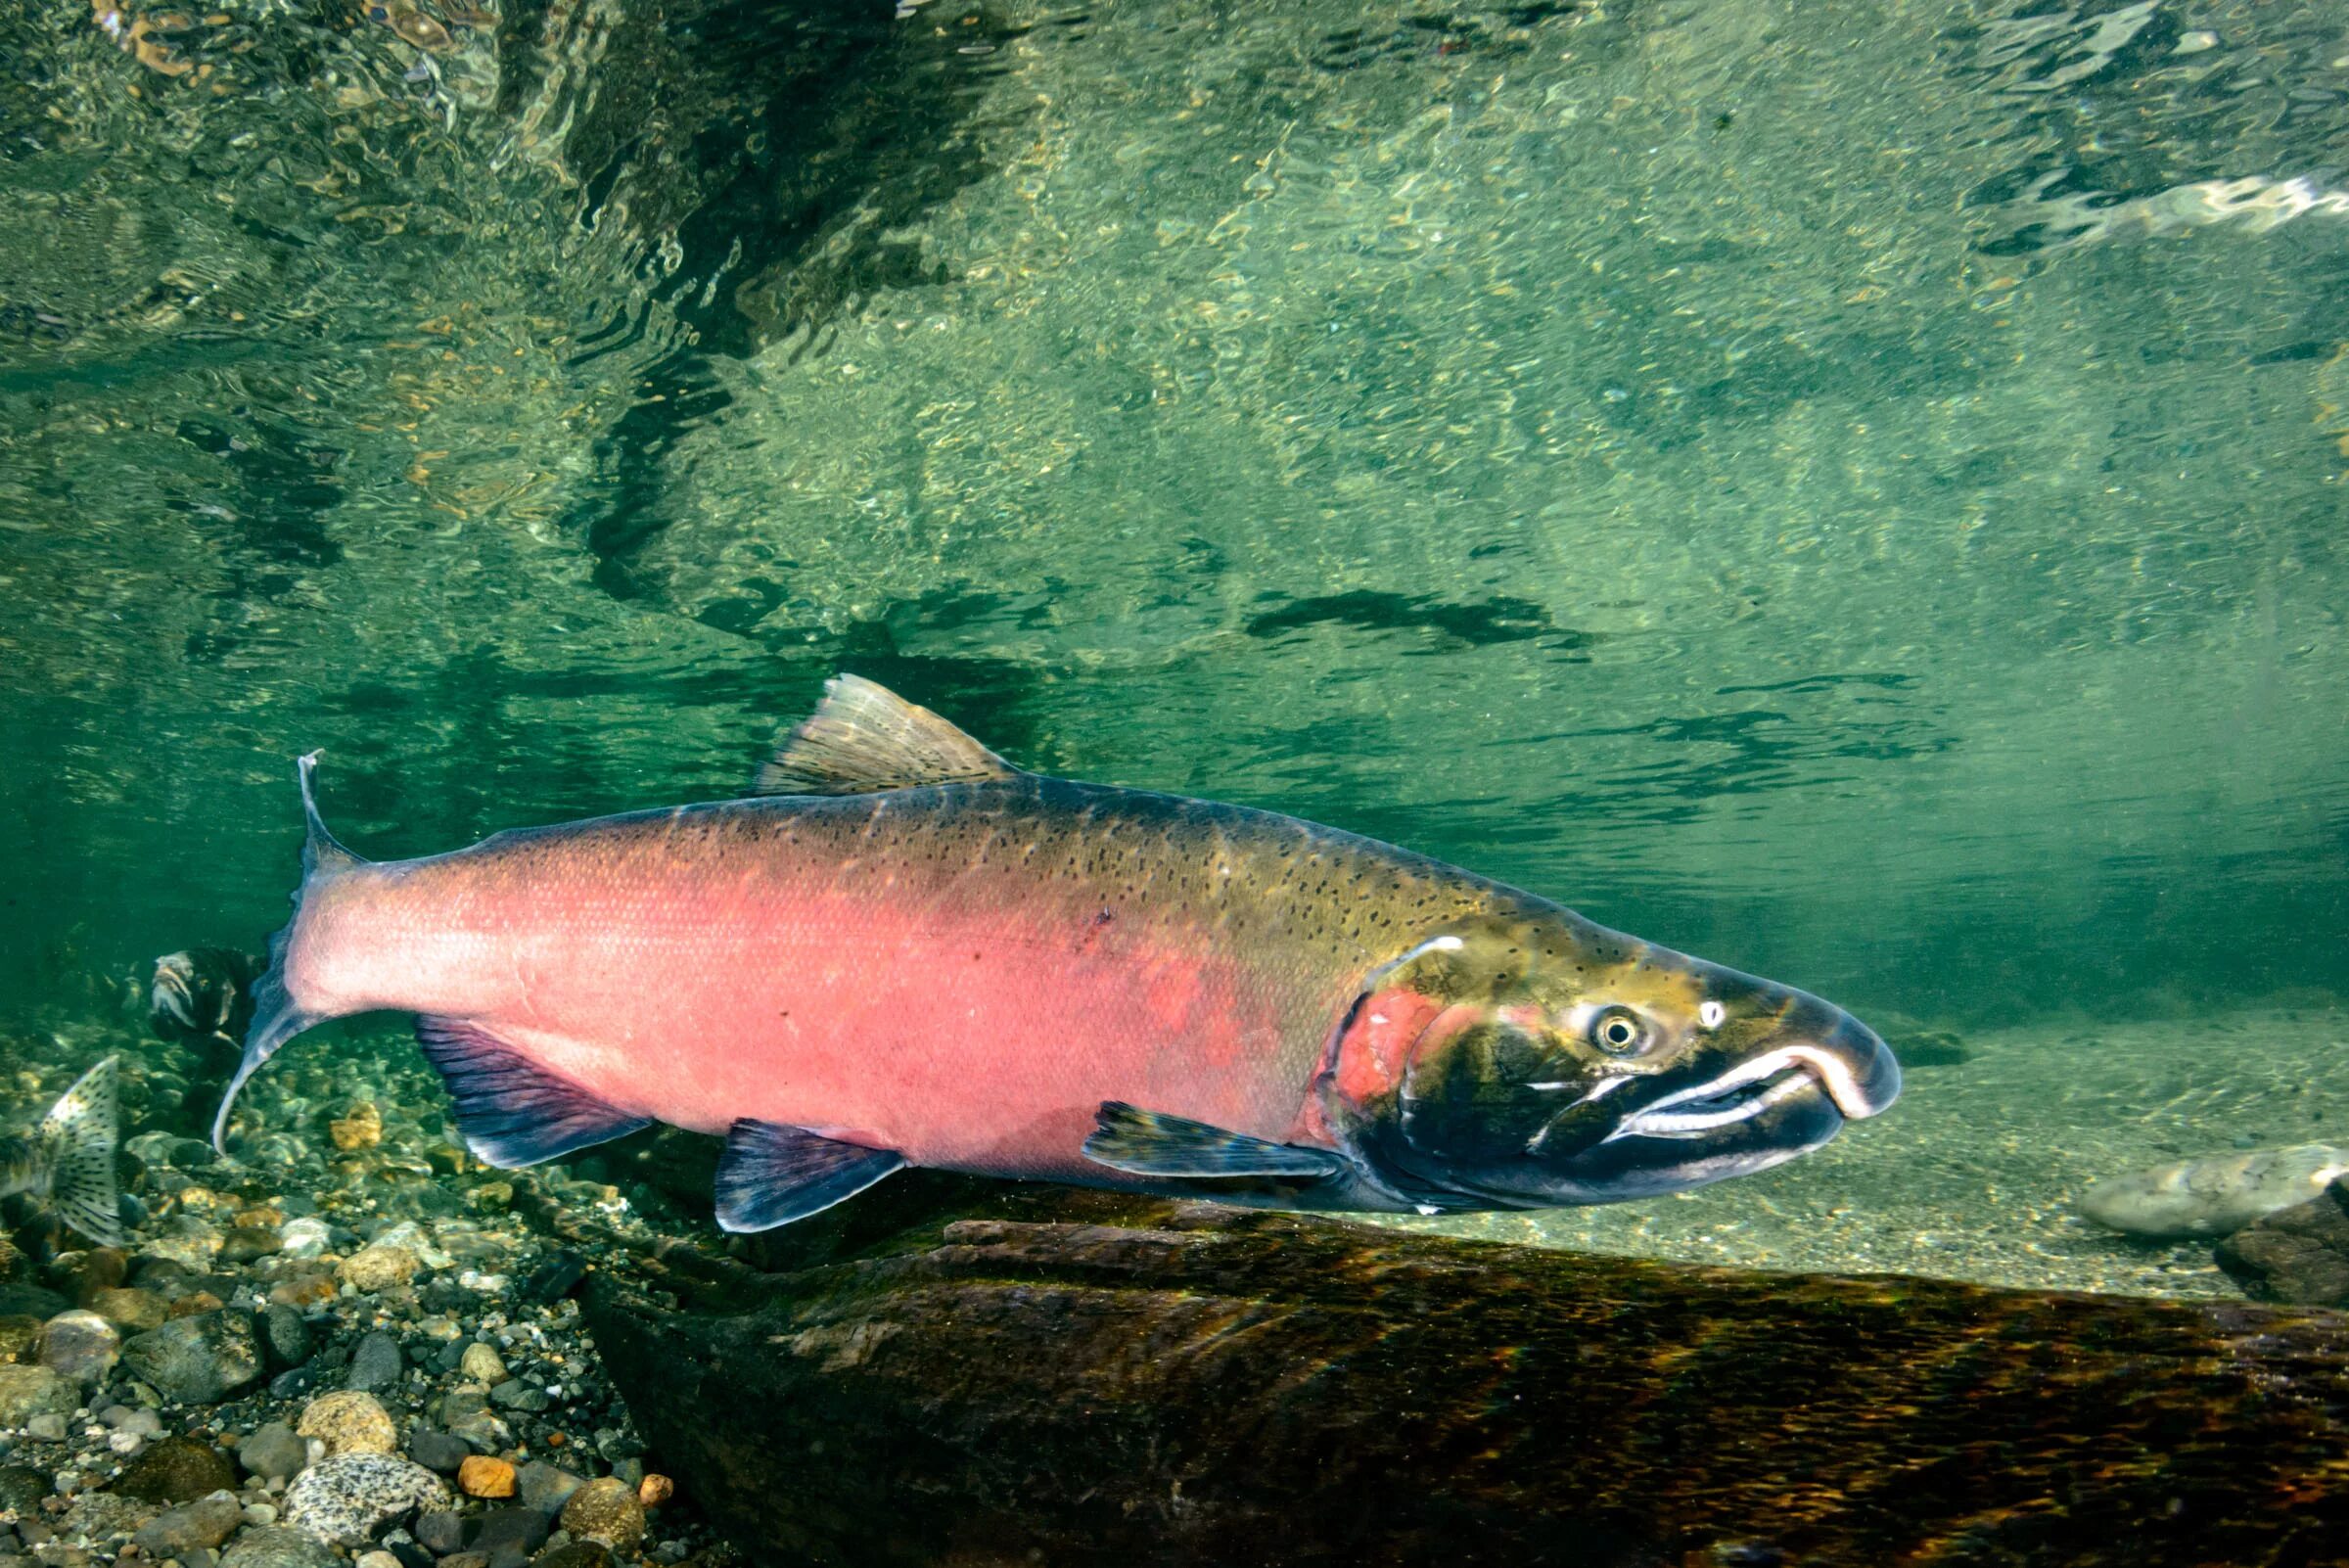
[{"x": 1822, "y": 1067}]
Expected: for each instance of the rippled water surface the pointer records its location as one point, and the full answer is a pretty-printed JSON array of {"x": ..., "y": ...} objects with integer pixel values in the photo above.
[{"x": 1857, "y": 492}]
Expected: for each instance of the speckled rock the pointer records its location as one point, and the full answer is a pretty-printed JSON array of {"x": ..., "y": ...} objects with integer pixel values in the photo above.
[
  {"x": 285, "y": 1337},
  {"x": 277, "y": 1547},
  {"x": 347, "y": 1499},
  {"x": 574, "y": 1554},
  {"x": 606, "y": 1509},
  {"x": 30, "y": 1390},
  {"x": 132, "y": 1311},
  {"x": 349, "y": 1422},
  {"x": 79, "y": 1346},
  {"x": 377, "y": 1269},
  {"x": 177, "y": 1469},
  {"x": 200, "y": 1360}
]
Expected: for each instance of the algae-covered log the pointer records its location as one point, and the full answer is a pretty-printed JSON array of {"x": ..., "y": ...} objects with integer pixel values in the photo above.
[{"x": 1019, "y": 1376}]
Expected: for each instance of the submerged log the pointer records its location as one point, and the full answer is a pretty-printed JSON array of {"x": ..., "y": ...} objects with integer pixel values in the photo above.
[{"x": 956, "y": 1374}]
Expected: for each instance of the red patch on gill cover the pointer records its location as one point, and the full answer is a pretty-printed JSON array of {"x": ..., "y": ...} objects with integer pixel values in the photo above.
[{"x": 1377, "y": 1046}]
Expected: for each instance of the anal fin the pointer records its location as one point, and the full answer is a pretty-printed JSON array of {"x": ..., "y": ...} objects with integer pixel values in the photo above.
[
  {"x": 510, "y": 1110},
  {"x": 771, "y": 1174},
  {"x": 1152, "y": 1143}
]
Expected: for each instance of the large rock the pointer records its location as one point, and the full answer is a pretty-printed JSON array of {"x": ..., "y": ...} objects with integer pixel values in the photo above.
[
  {"x": 196, "y": 1360},
  {"x": 347, "y": 1499},
  {"x": 349, "y": 1422},
  {"x": 80, "y": 1346},
  {"x": 2298, "y": 1255},
  {"x": 1095, "y": 1380},
  {"x": 177, "y": 1469}
]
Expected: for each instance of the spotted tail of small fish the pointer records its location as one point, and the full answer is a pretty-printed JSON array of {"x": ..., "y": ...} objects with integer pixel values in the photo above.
[
  {"x": 276, "y": 1017},
  {"x": 75, "y": 1144}
]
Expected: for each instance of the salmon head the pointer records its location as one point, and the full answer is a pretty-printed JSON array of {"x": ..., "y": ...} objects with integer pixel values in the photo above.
[{"x": 1535, "y": 1059}]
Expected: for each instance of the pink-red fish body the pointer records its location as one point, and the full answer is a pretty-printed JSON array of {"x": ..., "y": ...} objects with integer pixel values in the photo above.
[{"x": 909, "y": 951}]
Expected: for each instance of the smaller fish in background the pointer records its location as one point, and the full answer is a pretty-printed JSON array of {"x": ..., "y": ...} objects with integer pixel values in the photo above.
[
  {"x": 203, "y": 995},
  {"x": 67, "y": 1164},
  {"x": 2216, "y": 1195}
]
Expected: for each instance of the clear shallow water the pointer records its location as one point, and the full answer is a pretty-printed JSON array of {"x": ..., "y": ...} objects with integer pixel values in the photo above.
[{"x": 1857, "y": 493}]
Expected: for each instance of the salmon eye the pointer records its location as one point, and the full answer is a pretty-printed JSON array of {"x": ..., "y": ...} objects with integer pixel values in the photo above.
[{"x": 1618, "y": 1031}]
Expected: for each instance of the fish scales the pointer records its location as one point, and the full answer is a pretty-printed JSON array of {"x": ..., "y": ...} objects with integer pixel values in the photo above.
[
  {"x": 904, "y": 950},
  {"x": 1052, "y": 943}
]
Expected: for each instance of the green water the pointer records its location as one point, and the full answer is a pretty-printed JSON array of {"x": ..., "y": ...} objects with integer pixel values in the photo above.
[{"x": 1856, "y": 491}]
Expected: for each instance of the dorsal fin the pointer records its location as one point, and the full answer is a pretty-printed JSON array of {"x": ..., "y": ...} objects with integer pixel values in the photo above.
[{"x": 863, "y": 737}]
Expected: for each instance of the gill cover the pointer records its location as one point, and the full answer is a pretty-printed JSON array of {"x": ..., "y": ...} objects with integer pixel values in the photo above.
[{"x": 1531, "y": 1058}]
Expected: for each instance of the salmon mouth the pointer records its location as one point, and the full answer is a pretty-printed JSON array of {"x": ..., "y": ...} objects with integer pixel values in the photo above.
[
  {"x": 1848, "y": 1067},
  {"x": 1693, "y": 1113}
]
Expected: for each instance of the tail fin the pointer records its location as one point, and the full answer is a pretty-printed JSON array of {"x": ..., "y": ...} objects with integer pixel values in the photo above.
[
  {"x": 76, "y": 1140},
  {"x": 276, "y": 1017}
]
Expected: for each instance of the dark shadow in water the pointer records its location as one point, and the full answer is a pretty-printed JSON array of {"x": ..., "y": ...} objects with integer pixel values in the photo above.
[
  {"x": 789, "y": 147},
  {"x": 1480, "y": 625}
]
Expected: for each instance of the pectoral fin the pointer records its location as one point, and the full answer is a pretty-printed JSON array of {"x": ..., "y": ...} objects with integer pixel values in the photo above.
[
  {"x": 510, "y": 1110},
  {"x": 1154, "y": 1144},
  {"x": 771, "y": 1175}
]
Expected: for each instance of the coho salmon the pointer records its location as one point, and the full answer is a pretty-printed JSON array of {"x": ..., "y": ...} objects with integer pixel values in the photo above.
[{"x": 902, "y": 950}]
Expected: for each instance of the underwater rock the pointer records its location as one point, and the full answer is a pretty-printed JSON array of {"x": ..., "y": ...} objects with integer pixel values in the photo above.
[
  {"x": 377, "y": 1268},
  {"x": 606, "y": 1509},
  {"x": 375, "y": 1364},
  {"x": 481, "y": 1364},
  {"x": 346, "y": 1500},
  {"x": 2298, "y": 1255},
  {"x": 547, "y": 1488},
  {"x": 26, "y": 1392},
  {"x": 130, "y": 1310},
  {"x": 277, "y": 1547},
  {"x": 436, "y": 1450},
  {"x": 2213, "y": 1196},
  {"x": 198, "y": 1360},
  {"x": 1929, "y": 1047},
  {"x": 482, "y": 1476},
  {"x": 1033, "y": 1376},
  {"x": 193, "y": 1526},
  {"x": 362, "y": 1128},
  {"x": 349, "y": 1422},
  {"x": 273, "y": 1452},
  {"x": 81, "y": 1344},
  {"x": 177, "y": 1469}
]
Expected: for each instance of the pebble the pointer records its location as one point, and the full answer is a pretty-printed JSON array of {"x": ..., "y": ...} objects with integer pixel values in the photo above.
[
  {"x": 481, "y": 1364},
  {"x": 349, "y": 1422},
  {"x": 285, "y": 1337},
  {"x": 304, "y": 1237},
  {"x": 277, "y": 1547},
  {"x": 377, "y": 1269},
  {"x": 133, "y": 1311},
  {"x": 177, "y": 1469},
  {"x": 546, "y": 1487},
  {"x": 654, "y": 1490},
  {"x": 196, "y": 1360},
  {"x": 482, "y": 1476},
  {"x": 606, "y": 1510},
  {"x": 440, "y": 1532},
  {"x": 375, "y": 1559},
  {"x": 27, "y": 1393},
  {"x": 375, "y": 1364},
  {"x": 193, "y": 1526},
  {"x": 273, "y": 1452},
  {"x": 346, "y": 1500},
  {"x": 81, "y": 1344},
  {"x": 435, "y": 1449}
]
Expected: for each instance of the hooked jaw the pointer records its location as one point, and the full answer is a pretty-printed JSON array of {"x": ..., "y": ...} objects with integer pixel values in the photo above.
[{"x": 1845, "y": 1061}]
